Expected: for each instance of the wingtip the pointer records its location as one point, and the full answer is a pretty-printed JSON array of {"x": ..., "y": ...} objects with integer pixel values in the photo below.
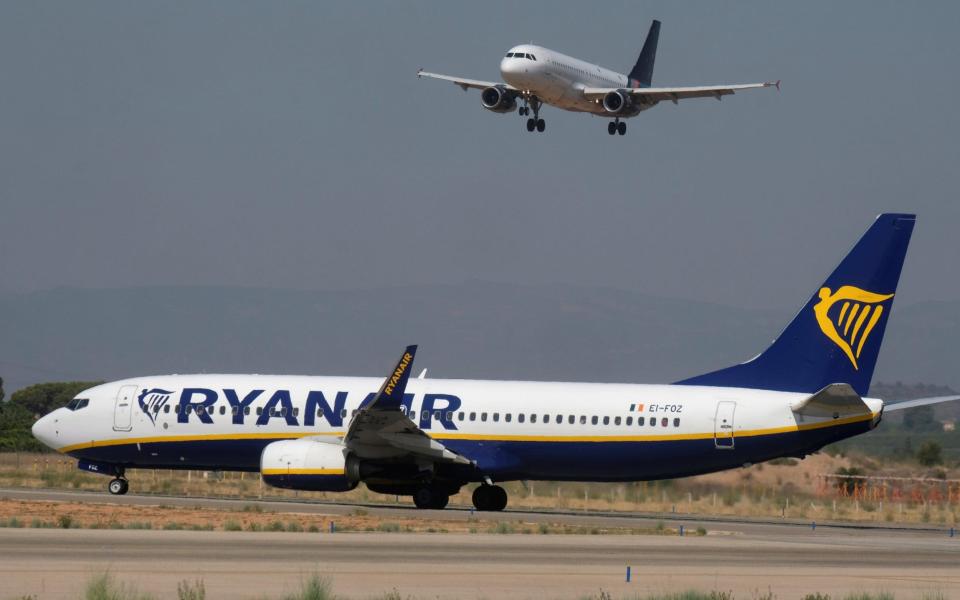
[
  {"x": 419, "y": 70},
  {"x": 776, "y": 84}
]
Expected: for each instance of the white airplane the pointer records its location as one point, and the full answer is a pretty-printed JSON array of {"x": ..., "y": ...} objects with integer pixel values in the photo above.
[
  {"x": 536, "y": 76},
  {"x": 427, "y": 438}
]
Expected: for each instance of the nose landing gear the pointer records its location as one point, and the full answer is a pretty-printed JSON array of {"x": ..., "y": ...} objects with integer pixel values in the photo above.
[
  {"x": 118, "y": 486},
  {"x": 536, "y": 123}
]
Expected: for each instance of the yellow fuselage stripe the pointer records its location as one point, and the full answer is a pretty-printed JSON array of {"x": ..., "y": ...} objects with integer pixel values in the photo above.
[
  {"x": 303, "y": 471},
  {"x": 479, "y": 436}
]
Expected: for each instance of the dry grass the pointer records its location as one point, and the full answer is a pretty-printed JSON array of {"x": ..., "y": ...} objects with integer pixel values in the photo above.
[{"x": 788, "y": 489}]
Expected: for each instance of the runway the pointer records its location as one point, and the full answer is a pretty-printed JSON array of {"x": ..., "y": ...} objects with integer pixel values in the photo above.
[{"x": 54, "y": 564}]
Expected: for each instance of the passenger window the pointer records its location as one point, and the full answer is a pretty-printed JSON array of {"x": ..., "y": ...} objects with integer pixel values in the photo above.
[
  {"x": 483, "y": 417},
  {"x": 606, "y": 420},
  {"x": 571, "y": 419},
  {"x": 616, "y": 421},
  {"x": 283, "y": 411},
  {"x": 461, "y": 416},
  {"x": 223, "y": 410},
  {"x": 676, "y": 422},
  {"x": 507, "y": 417},
  {"x": 296, "y": 411},
  {"x": 473, "y": 416},
  {"x": 594, "y": 420},
  {"x": 343, "y": 413},
  {"x": 259, "y": 410},
  {"x": 413, "y": 415},
  {"x": 234, "y": 409},
  {"x": 520, "y": 418},
  {"x": 653, "y": 421},
  {"x": 629, "y": 420},
  {"x": 426, "y": 415},
  {"x": 640, "y": 420},
  {"x": 583, "y": 419},
  {"x": 166, "y": 409},
  {"x": 496, "y": 417},
  {"x": 319, "y": 413},
  {"x": 664, "y": 422}
]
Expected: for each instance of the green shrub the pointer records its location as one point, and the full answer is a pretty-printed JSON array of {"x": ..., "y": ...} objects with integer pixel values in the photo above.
[
  {"x": 294, "y": 526},
  {"x": 231, "y": 525},
  {"x": 64, "y": 521},
  {"x": 388, "y": 527},
  {"x": 274, "y": 526},
  {"x": 313, "y": 588},
  {"x": 191, "y": 591}
]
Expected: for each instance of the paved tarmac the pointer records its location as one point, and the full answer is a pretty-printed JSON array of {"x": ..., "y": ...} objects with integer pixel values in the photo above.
[
  {"x": 52, "y": 563},
  {"x": 748, "y": 558}
]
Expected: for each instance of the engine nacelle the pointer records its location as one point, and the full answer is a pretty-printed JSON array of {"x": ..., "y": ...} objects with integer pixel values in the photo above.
[
  {"x": 618, "y": 102},
  {"x": 498, "y": 99},
  {"x": 306, "y": 464}
]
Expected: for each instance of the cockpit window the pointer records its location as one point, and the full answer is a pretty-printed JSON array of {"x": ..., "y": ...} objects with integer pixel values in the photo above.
[
  {"x": 531, "y": 57},
  {"x": 77, "y": 403},
  {"x": 509, "y": 54}
]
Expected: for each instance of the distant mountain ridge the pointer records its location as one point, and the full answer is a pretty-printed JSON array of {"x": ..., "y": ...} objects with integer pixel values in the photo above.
[{"x": 474, "y": 329}]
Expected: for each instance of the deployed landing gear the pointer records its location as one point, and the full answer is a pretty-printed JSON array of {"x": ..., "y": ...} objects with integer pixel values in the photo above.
[
  {"x": 536, "y": 123},
  {"x": 617, "y": 126},
  {"x": 118, "y": 486},
  {"x": 490, "y": 498},
  {"x": 430, "y": 497}
]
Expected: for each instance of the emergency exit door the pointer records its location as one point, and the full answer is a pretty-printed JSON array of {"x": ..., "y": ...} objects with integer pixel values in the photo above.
[
  {"x": 723, "y": 425},
  {"x": 123, "y": 409}
]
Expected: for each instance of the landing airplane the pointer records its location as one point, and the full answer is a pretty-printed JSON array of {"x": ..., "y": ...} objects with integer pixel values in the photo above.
[
  {"x": 535, "y": 76},
  {"x": 426, "y": 438}
]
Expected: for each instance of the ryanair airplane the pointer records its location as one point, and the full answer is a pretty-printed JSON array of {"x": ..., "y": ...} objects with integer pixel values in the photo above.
[
  {"x": 535, "y": 76},
  {"x": 427, "y": 438}
]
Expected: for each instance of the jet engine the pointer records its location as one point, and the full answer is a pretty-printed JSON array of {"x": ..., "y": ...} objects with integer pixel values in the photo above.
[
  {"x": 308, "y": 464},
  {"x": 619, "y": 103},
  {"x": 498, "y": 99}
]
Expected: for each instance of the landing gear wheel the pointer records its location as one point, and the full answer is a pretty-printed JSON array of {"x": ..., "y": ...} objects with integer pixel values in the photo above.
[
  {"x": 611, "y": 128},
  {"x": 541, "y": 125},
  {"x": 531, "y": 124},
  {"x": 490, "y": 498},
  {"x": 427, "y": 497},
  {"x": 118, "y": 487},
  {"x": 524, "y": 111},
  {"x": 622, "y": 128}
]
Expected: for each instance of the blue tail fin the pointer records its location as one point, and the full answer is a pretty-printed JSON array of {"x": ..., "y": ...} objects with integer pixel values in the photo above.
[
  {"x": 836, "y": 336},
  {"x": 642, "y": 73}
]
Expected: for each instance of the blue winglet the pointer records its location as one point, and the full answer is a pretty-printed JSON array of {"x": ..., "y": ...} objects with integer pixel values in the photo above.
[
  {"x": 391, "y": 392},
  {"x": 836, "y": 336}
]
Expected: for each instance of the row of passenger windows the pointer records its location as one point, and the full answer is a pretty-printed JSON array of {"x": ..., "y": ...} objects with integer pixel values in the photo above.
[
  {"x": 521, "y": 55},
  {"x": 450, "y": 416},
  {"x": 584, "y": 72}
]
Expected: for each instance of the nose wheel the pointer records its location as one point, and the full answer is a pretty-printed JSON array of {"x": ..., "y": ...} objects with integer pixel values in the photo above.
[
  {"x": 536, "y": 123},
  {"x": 118, "y": 486},
  {"x": 617, "y": 126}
]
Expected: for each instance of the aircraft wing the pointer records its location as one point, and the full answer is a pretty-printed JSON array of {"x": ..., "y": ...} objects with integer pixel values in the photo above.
[
  {"x": 919, "y": 402},
  {"x": 464, "y": 83},
  {"x": 382, "y": 429},
  {"x": 835, "y": 400},
  {"x": 674, "y": 94}
]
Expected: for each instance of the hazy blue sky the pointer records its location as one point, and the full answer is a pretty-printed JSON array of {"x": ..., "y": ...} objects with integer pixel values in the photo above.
[{"x": 289, "y": 144}]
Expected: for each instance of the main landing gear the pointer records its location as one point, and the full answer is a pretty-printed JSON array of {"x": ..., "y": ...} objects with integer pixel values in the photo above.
[
  {"x": 536, "y": 123},
  {"x": 430, "y": 497},
  {"x": 118, "y": 486},
  {"x": 490, "y": 498},
  {"x": 617, "y": 126}
]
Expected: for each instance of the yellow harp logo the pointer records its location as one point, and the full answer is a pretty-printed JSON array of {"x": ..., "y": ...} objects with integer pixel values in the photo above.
[{"x": 858, "y": 314}]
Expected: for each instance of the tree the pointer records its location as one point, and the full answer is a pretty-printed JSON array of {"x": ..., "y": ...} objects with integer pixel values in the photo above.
[
  {"x": 15, "y": 424},
  {"x": 919, "y": 419},
  {"x": 42, "y": 398},
  {"x": 1, "y": 389},
  {"x": 929, "y": 454}
]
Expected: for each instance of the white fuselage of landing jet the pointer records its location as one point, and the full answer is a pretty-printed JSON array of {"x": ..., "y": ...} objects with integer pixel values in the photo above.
[
  {"x": 508, "y": 429},
  {"x": 558, "y": 79}
]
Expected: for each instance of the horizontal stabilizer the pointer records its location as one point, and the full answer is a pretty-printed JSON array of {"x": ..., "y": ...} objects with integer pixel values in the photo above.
[
  {"x": 836, "y": 400},
  {"x": 920, "y": 402}
]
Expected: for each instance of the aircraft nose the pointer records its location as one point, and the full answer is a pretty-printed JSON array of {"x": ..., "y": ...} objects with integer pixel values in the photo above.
[{"x": 46, "y": 430}]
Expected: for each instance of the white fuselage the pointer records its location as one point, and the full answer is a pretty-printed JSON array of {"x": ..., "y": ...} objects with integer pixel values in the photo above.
[
  {"x": 579, "y": 431},
  {"x": 558, "y": 79}
]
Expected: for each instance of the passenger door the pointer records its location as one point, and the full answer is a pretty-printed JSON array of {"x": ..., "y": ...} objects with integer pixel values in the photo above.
[
  {"x": 723, "y": 425},
  {"x": 123, "y": 409}
]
